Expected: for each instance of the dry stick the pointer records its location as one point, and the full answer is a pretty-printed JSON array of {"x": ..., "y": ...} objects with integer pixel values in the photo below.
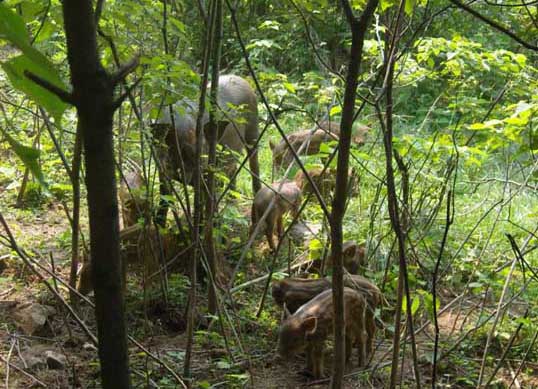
[
  {"x": 73, "y": 172},
  {"x": 23, "y": 372},
  {"x": 448, "y": 223},
  {"x": 524, "y": 359},
  {"x": 158, "y": 360},
  {"x": 483, "y": 322},
  {"x": 8, "y": 362},
  {"x": 505, "y": 353},
  {"x": 211, "y": 136},
  {"x": 55, "y": 282},
  {"x": 75, "y": 182},
  {"x": 494, "y": 325},
  {"x": 197, "y": 198}
]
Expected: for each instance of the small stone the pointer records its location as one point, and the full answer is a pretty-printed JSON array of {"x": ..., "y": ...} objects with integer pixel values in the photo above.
[
  {"x": 55, "y": 361},
  {"x": 89, "y": 347},
  {"x": 31, "y": 317}
]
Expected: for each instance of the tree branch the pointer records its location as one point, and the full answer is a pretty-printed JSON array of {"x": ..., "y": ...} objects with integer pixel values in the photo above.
[
  {"x": 494, "y": 24},
  {"x": 125, "y": 94},
  {"x": 125, "y": 70},
  {"x": 63, "y": 95}
]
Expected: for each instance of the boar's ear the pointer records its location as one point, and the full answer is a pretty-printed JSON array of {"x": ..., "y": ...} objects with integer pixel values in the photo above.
[
  {"x": 309, "y": 325},
  {"x": 287, "y": 312},
  {"x": 271, "y": 145}
]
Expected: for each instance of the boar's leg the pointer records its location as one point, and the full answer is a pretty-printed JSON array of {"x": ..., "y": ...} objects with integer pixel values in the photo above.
[
  {"x": 369, "y": 319},
  {"x": 314, "y": 358},
  {"x": 361, "y": 342},
  {"x": 270, "y": 229},
  {"x": 349, "y": 347}
]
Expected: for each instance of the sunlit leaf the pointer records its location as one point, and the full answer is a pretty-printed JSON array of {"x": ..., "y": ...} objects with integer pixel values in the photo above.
[
  {"x": 15, "y": 68},
  {"x": 28, "y": 155}
]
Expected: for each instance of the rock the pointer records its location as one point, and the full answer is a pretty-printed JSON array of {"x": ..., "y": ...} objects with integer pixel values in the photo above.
[
  {"x": 55, "y": 361},
  {"x": 305, "y": 232},
  {"x": 34, "y": 361},
  {"x": 42, "y": 356},
  {"x": 89, "y": 347},
  {"x": 31, "y": 317}
]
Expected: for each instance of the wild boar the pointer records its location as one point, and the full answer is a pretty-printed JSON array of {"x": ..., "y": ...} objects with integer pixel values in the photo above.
[
  {"x": 287, "y": 197},
  {"x": 308, "y": 328},
  {"x": 134, "y": 203},
  {"x": 326, "y": 131},
  {"x": 291, "y": 293},
  {"x": 139, "y": 245},
  {"x": 237, "y": 129},
  {"x": 282, "y": 156},
  {"x": 354, "y": 256}
]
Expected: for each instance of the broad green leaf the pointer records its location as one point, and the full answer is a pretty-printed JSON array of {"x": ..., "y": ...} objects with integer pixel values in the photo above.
[
  {"x": 315, "y": 244},
  {"x": 13, "y": 29},
  {"x": 415, "y": 305},
  {"x": 335, "y": 110},
  {"x": 477, "y": 126},
  {"x": 517, "y": 121},
  {"x": 15, "y": 68},
  {"x": 289, "y": 87},
  {"x": 29, "y": 157},
  {"x": 409, "y": 6}
]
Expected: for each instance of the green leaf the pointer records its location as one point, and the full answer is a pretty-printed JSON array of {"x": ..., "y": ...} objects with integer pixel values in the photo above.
[
  {"x": 29, "y": 156},
  {"x": 289, "y": 87},
  {"x": 415, "y": 305},
  {"x": 409, "y": 6},
  {"x": 15, "y": 68},
  {"x": 335, "y": 110},
  {"x": 13, "y": 29}
]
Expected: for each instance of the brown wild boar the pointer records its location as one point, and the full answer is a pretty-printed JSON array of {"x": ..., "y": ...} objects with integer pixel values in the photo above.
[
  {"x": 309, "y": 327},
  {"x": 134, "y": 203},
  {"x": 237, "y": 129},
  {"x": 291, "y": 293},
  {"x": 324, "y": 180},
  {"x": 354, "y": 256},
  {"x": 138, "y": 245},
  {"x": 287, "y": 197},
  {"x": 326, "y": 131},
  {"x": 282, "y": 156}
]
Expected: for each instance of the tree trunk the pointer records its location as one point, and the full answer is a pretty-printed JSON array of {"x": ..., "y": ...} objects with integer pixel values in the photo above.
[
  {"x": 358, "y": 31},
  {"x": 93, "y": 94}
]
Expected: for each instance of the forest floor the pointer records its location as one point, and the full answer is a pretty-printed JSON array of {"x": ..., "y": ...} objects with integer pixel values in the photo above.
[{"x": 45, "y": 232}]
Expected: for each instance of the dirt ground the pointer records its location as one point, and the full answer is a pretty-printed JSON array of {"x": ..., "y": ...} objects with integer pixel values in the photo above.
[{"x": 162, "y": 332}]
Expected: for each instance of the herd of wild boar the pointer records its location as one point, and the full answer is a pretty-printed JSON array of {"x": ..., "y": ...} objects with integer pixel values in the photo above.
[{"x": 307, "y": 302}]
